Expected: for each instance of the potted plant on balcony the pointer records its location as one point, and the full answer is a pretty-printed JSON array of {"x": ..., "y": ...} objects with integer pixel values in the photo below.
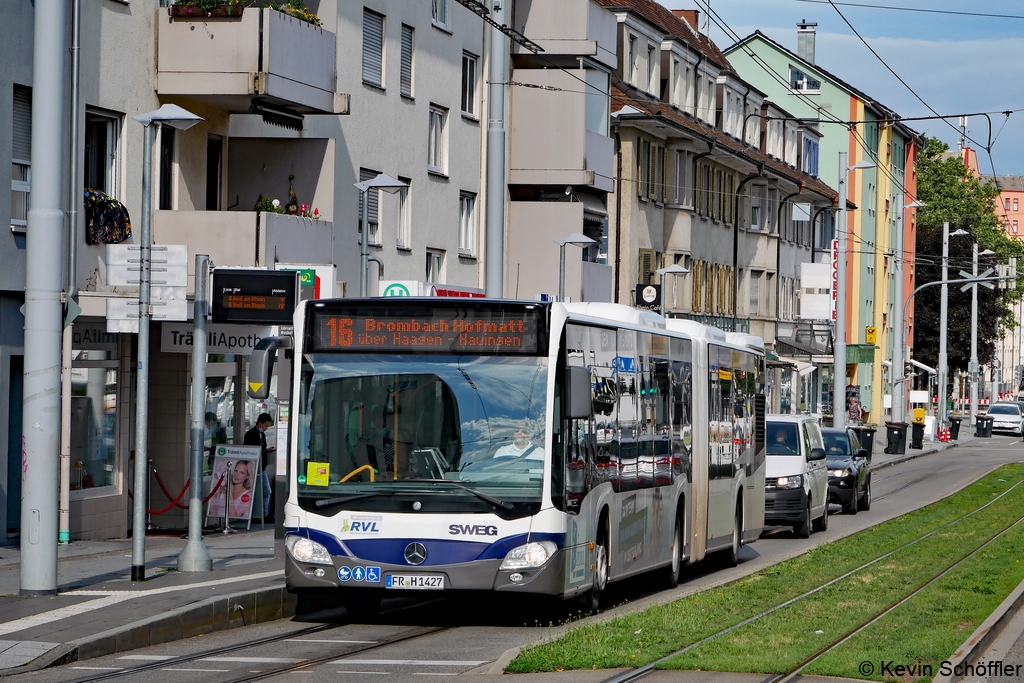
[{"x": 208, "y": 8}]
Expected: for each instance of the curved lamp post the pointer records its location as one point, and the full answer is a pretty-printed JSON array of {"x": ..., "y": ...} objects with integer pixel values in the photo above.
[{"x": 381, "y": 182}]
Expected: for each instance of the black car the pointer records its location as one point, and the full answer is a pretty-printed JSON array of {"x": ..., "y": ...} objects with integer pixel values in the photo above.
[{"x": 849, "y": 470}]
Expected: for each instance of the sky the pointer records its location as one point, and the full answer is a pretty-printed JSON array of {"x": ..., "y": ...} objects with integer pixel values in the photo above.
[{"x": 957, "y": 64}]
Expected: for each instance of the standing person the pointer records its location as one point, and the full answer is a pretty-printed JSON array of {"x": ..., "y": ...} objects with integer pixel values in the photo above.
[{"x": 257, "y": 436}]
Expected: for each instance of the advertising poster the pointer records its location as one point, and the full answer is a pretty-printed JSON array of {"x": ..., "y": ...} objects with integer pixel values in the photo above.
[{"x": 242, "y": 484}]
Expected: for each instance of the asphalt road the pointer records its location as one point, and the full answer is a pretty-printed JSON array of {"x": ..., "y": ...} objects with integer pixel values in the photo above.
[{"x": 465, "y": 635}]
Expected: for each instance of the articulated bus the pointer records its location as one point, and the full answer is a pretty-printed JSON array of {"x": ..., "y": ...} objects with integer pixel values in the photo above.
[{"x": 514, "y": 447}]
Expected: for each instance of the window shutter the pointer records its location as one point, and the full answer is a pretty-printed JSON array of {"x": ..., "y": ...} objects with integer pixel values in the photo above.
[
  {"x": 373, "y": 48},
  {"x": 646, "y": 266},
  {"x": 22, "y": 146},
  {"x": 406, "y": 84},
  {"x": 652, "y": 172},
  {"x": 640, "y": 165}
]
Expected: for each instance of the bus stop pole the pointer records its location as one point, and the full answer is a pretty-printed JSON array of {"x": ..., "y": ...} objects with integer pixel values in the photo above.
[{"x": 195, "y": 557}]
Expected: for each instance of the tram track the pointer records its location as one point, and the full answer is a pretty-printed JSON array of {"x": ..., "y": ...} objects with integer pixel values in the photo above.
[
  {"x": 417, "y": 632},
  {"x": 788, "y": 676}
]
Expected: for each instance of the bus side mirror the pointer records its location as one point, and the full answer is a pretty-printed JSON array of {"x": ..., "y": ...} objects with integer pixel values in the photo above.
[
  {"x": 261, "y": 365},
  {"x": 579, "y": 402}
]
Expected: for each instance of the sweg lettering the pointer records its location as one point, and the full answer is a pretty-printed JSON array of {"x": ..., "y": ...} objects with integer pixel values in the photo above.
[{"x": 472, "y": 530}]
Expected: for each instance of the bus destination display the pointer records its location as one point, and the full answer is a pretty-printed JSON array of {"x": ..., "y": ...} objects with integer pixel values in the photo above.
[
  {"x": 439, "y": 331},
  {"x": 251, "y": 302}
]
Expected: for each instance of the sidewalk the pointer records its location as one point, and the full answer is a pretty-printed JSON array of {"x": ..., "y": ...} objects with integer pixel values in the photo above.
[{"x": 245, "y": 587}]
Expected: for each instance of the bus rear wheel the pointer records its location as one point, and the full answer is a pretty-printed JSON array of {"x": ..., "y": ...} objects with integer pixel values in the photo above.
[
  {"x": 600, "y": 568},
  {"x": 674, "y": 570}
]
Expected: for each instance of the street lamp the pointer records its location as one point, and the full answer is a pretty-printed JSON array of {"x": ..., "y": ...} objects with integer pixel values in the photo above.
[
  {"x": 674, "y": 269},
  {"x": 176, "y": 117},
  {"x": 943, "y": 315},
  {"x": 577, "y": 239},
  {"x": 839, "y": 346},
  {"x": 381, "y": 182},
  {"x": 900, "y": 338}
]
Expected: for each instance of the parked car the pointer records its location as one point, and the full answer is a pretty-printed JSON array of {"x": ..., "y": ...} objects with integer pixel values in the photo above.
[
  {"x": 1006, "y": 417},
  {"x": 796, "y": 478},
  {"x": 849, "y": 470}
]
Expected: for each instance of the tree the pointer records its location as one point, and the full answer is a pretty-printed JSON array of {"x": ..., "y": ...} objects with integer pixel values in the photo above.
[{"x": 954, "y": 194}]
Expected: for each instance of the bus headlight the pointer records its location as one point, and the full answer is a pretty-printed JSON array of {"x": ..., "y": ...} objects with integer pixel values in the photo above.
[
  {"x": 529, "y": 556},
  {"x": 305, "y": 550}
]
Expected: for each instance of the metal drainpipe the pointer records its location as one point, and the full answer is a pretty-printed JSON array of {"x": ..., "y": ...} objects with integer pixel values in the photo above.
[
  {"x": 74, "y": 196},
  {"x": 736, "y": 242},
  {"x": 618, "y": 209}
]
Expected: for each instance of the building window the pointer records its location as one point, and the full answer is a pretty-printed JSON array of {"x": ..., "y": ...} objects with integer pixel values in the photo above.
[
  {"x": 439, "y": 13},
  {"x": 372, "y": 197},
  {"x": 94, "y": 423},
  {"x": 755, "y": 292},
  {"x": 469, "y": 81},
  {"x": 214, "y": 174},
  {"x": 21, "y": 157},
  {"x": 652, "y": 69},
  {"x": 167, "y": 168},
  {"x": 677, "y": 83},
  {"x": 1006, "y": 203},
  {"x": 1016, "y": 204},
  {"x": 437, "y": 140},
  {"x": 756, "y": 199},
  {"x": 404, "y": 232},
  {"x": 769, "y": 295},
  {"x": 102, "y": 133},
  {"x": 435, "y": 266},
  {"x": 406, "y": 70},
  {"x": 1014, "y": 227},
  {"x": 596, "y": 107},
  {"x": 467, "y": 224},
  {"x": 373, "y": 48},
  {"x": 810, "y": 160},
  {"x": 798, "y": 80},
  {"x": 632, "y": 65}
]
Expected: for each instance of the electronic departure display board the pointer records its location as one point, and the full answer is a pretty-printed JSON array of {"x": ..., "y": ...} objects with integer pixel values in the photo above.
[
  {"x": 254, "y": 296},
  {"x": 502, "y": 328}
]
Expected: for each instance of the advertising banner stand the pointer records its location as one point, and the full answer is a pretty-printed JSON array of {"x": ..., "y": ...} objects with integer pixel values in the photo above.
[{"x": 242, "y": 486}]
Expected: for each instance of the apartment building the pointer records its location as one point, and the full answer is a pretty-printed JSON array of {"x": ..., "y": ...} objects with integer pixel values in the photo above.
[
  {"x": 711, "y": 179},
  {"x": 1007, "y": 377},
  {"x": 292, "y": 111},
  {"x": 879, "y": 217}
]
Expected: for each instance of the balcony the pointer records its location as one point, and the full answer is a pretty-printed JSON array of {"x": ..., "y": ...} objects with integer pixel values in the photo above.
[
  {"x": 265, "y": 54},
  {"x": 562, "y": 132},
  {"x": 567, "y": 30},
  {"x": 246, "y": 238}
]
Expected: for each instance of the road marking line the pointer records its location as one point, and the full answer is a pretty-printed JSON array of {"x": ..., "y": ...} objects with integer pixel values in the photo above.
[
  {"x": 148, "y": 658},
  {"x": 327, "y": 640},
  {"x": 367, "y": 673},
  {"x": 254, "y": 660},
  {"x": 110, "y": 598},
  {"x": 418, "y": 673},
  {"x": 409, "y": 662},
  {"x": 99, "y": 668},
  {"x": 212, "y": 670}
]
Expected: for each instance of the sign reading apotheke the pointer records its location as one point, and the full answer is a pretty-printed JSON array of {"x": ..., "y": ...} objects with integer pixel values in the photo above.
[{"x": 241, "y": 339}]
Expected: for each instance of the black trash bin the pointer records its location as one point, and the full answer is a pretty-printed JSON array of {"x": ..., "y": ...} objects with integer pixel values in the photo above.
[
  {"x": 954, "y": 428},
  {"x": 984, "y": 428},
  {"x": 917, "y": 435},
  {"x": 896, "y": 438},
  {"x": 866, "y": 435}
]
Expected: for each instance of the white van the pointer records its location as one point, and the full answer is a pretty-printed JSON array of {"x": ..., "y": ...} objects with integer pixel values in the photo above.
[{"x": 796, "y": 474}]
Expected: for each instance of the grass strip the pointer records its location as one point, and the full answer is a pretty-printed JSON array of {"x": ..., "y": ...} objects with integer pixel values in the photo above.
[
  {"x": 639, "y": 638},
  {"x": 780, "y": 641},
  {"x": 929, "y": 627}
]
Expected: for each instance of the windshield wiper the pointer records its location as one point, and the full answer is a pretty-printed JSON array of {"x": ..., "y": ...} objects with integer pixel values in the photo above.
[
  {"x": 326, "y": 502},
  {"x": 496, "y": 502}
]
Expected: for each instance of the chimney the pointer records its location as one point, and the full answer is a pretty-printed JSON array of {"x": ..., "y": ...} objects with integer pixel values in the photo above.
[
  {"x": 690, "y": 16},
  {"x": 805, "y": 40}
]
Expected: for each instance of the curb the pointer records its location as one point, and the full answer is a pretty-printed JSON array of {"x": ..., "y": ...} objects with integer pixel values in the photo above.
[
  {"x": 984, "y": 635},
  {"x": 221, "y": 613}
]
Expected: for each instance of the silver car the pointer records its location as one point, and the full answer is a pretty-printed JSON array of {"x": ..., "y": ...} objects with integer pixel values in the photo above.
[{"x": 1006, "y": 417}]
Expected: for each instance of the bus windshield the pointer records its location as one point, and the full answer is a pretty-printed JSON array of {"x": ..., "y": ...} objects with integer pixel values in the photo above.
[{"x": 461, "y": 432}]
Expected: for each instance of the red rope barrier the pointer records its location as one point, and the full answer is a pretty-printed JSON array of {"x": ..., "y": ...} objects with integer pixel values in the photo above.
[{"x": 175, "y": 500}]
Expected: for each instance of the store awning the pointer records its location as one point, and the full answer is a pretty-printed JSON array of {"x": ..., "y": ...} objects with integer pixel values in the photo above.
[{"x": 801, "y": 367}]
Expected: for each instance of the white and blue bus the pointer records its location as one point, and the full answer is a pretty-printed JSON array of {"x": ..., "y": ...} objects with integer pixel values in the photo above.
[{"x": 514, "y": 447}]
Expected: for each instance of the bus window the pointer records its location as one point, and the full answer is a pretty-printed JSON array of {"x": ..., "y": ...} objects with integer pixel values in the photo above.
[
  {"x": 627, "y": 369},
  {"x": 682, "y": 385}
]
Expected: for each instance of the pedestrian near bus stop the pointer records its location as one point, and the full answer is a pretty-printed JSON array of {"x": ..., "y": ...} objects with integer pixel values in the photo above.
[{"x": 257, "y": 436}]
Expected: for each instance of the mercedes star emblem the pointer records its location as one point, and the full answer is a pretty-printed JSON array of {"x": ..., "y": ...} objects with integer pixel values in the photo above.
[{"x": 415, "y": 553}]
